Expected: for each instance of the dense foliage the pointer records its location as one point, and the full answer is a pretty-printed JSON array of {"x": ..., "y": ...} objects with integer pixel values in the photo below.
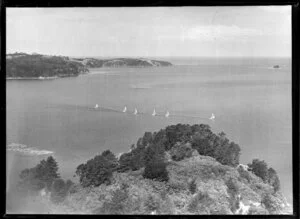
[
  {"x": 97, "y": 170},
  {"x": 60, "y": 190},
  {"x": 41, "y": 176},
  {"x": 268, "y": 175},
  {"x": 29, "y": 66},
  {"x": 155, "y": 166}
]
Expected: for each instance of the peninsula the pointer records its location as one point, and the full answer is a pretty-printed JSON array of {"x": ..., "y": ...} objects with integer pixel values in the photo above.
[{"x": 21, "y": 66}]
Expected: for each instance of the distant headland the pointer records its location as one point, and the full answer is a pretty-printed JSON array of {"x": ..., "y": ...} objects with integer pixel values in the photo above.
[{"x": 21, "y": 66}]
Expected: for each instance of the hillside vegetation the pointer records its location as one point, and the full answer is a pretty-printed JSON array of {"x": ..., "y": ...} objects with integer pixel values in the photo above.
[
  {"x": 22, "y": 65},
  {"x": 37, "y": 66},
  {"x": 121, "y": 62},
  {"x": 181, "y": 169}
]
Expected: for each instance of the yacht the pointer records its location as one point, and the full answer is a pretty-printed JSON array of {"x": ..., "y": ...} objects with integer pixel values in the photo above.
[
  {"x": 212, "y": 117},
  {"x": 154, "y": 113},
  {"x": 167, "y": 114},
  {"x": 125, "y": 109},
  {"x": 135, "y": 111},
  {"x": 96, "y": 106}
]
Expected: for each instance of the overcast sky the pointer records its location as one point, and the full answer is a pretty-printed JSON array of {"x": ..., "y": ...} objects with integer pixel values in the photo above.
[{"x": 152, "y": 31}]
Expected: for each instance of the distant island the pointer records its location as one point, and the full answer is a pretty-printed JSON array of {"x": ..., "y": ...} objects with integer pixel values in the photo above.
[{"x": 41, "y": 67}]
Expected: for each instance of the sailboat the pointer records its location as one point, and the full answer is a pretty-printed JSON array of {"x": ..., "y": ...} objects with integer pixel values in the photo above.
[
  {"x": 135, "y": 111},
  {"x": 96, "y": 106},
  {"x": 125, "y": 109},
  {"x": 167, "y": 114},
  {"x": 154, "y": 113},
  {"x": 212, "y": 117}
]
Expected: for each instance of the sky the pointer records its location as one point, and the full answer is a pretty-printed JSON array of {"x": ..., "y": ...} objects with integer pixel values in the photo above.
[{"x": 246, "y": 31}]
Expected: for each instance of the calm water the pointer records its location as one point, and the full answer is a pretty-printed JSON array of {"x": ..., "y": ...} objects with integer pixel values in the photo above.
[{"x": 251, "y": 102}]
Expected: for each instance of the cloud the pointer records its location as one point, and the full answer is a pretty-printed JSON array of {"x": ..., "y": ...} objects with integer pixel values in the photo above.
[{"x": 217, "y": 32}]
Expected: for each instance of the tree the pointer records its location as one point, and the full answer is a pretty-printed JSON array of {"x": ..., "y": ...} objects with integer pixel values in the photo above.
[
  {"x": 155, "y": 167},
  {"x": 259, "y": 168},
  {"x": 97, "y": 170},
  {"x": 40, "y": 176}
]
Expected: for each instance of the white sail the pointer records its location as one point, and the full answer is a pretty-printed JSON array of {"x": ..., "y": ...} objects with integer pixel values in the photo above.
[
  {"x": 135, "y": 111},
  {"x": 212, "y": 117},
  {"x": 154, "y": 113},
  {"x": 167, "y": 114},
  {"x": 96, "y": 106},
  {"x": 125, "y": 109}
]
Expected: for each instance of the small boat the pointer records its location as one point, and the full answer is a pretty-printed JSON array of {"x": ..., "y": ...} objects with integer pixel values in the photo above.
[
  {"x": 125, "y": 109},
  {"x": 167, "y": 114},
  {"x": 135, "y": 111},
  {"x": 276, "y": 66},
  {"x": 212, "y": 117},
  {"x": 96, "y": 106},
  {"x": 154, "y": 113}
]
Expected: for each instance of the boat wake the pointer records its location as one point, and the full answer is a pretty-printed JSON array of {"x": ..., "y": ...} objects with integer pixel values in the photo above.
[{"x": 25, "y": 150}]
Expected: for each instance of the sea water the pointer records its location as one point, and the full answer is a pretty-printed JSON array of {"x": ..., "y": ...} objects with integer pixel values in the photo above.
[{"x": 251, "y": 102}]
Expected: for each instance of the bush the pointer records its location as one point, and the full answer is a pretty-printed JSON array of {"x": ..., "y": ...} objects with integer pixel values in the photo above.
[
  {"x": 259, "y": 168},
  {"x": 199, "y": 203},
  {"x": 273, "y": 179},
  {"x": 151, "y": 204},
  {"x": 117, "y": 204},
  {"x": 270, "y": 203},
  {"x": 97, "y": 170},
  {"x": 181, "y": 151},
  {"x": 156, "y": 169},
  {"x": 244, "y": 174},
  {"x": 60, "y": 190},
  {"x": 192, "y": 186},
  {"x": 218, "y": 170},
  {"x": 232, "y": 187},
  {"x": 155, "y": 166}
]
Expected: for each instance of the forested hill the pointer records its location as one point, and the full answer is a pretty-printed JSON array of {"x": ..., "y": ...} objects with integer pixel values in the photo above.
[
  {"x": 121, "y": 62},
  {"x": 31, "y": 66},
  {"x": 22, "y": 65},
  {"x": 181, "y": 169}
]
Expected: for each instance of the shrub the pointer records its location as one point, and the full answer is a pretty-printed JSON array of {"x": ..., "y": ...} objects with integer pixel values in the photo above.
[
  {"x": 97, "y": 170},
  {"x": 218, "y": 170},
  {"x": 192, "y": 186},
  {"x": 151, "y": 204},
  {"x": 232, "y": 187},
  {"x": 181, "y": 151},
  {"x": 259, "y": 168},
  {"x": 117, "y": 204},
  {"x": 269, "y": 203},
  {"x": 155, "y": 166},
  {"x": 273, "y": 179},
  {"x": 59, "y": 190},
  {"x": 244, "y": 174},
  {"x": 156, "y": 169},
  {"x": 199, "y": 202}
]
